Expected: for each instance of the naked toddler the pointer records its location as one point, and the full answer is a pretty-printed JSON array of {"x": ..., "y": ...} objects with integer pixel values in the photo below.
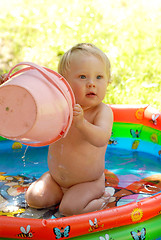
[{"x": 76, "y": 163}]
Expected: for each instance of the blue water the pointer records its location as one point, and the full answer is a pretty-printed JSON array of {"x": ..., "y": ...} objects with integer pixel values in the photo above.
[
  {"x": 27, "y": 161},
  {"x": 20, "y": 167},
  {"x": 128, "y": 165}
]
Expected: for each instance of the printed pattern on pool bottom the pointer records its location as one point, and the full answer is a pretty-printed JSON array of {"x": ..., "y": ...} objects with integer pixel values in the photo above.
[{"x": 12, "y": 194}]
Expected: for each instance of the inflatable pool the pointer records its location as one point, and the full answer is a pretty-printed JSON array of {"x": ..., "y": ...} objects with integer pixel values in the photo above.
[{"x": 133, "y": 172}]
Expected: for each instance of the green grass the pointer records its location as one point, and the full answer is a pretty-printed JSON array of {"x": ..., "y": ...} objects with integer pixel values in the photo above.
[{"x": 129, "y": 31}]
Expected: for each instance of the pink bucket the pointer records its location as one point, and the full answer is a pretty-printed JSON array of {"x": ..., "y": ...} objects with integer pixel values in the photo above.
[{"x": 36, "y": 106}]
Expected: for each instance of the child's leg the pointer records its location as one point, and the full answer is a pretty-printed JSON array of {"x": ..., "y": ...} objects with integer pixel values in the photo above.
[
  {"x": 44, "y": 192},
  {"x": 85, "y": 197}
]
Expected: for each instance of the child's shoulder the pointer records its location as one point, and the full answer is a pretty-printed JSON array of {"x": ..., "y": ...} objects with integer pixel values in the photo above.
[
  {"x": 105, "y": 107},
  {"x": 104, "y": 110}
]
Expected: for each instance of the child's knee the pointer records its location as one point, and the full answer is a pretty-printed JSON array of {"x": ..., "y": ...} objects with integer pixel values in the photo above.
[
  {"x": 34, "y": 200},
  {"x": 67, "y": 209},
  {"x": 35, "y": 196}
]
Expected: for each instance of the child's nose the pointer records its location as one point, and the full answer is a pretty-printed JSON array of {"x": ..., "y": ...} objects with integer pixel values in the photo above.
[{"x": 91, "y": 83}]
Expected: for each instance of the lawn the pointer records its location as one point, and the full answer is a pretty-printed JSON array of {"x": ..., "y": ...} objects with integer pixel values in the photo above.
[{"x": 128, "y": 31}]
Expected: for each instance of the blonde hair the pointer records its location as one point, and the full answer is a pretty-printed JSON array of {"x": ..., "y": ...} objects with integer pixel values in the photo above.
[{"x": 83, "y": 48}]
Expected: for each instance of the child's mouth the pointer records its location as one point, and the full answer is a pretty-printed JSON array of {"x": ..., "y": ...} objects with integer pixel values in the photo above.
[{"x": 90, "y": 94}]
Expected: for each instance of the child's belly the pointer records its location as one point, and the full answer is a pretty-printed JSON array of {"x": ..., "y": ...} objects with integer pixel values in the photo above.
[
  {"x": 76, "y": 162},
  {"x": 67, "y": 175}
]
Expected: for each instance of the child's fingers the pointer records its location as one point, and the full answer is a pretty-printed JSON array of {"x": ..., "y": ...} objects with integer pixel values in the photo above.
[
  {"x": 3, "y": 78},
  {"x": 77, "y": 109},
  {"x": 76, "y": 112}
]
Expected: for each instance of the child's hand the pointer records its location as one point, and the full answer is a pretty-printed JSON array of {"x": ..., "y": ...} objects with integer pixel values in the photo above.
[
  {"x": 3, "y": 78},
  {"x": 78, "y": 115}
]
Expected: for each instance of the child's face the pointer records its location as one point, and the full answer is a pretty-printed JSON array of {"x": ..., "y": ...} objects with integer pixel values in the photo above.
[{"x": 87, "y": 77}]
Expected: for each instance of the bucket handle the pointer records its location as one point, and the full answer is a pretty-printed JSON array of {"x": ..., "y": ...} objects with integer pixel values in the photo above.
[{"x": 45, "y": 72}]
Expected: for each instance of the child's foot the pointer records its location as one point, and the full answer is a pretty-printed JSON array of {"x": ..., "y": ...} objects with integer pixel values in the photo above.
[{"x": 109, "y": 192}]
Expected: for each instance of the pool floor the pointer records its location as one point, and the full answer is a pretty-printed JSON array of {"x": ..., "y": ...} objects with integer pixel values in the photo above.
[{"x": 132, "y": 175}]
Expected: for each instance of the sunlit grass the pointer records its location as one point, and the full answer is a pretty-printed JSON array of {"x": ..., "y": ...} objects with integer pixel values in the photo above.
[{"x": 129, "y": 31}]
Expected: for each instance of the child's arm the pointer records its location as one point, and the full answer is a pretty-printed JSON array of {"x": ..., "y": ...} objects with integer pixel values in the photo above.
[{"x": 99, "y": 132}]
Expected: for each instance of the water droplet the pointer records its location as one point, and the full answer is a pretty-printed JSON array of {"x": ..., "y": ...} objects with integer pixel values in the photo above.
[{"x": 23, "y": 157}]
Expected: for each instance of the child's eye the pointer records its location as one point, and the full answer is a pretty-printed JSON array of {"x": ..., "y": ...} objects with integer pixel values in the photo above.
[
  {"x": 82, "y": 76},
  {"x": 99, "y": 77}
]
